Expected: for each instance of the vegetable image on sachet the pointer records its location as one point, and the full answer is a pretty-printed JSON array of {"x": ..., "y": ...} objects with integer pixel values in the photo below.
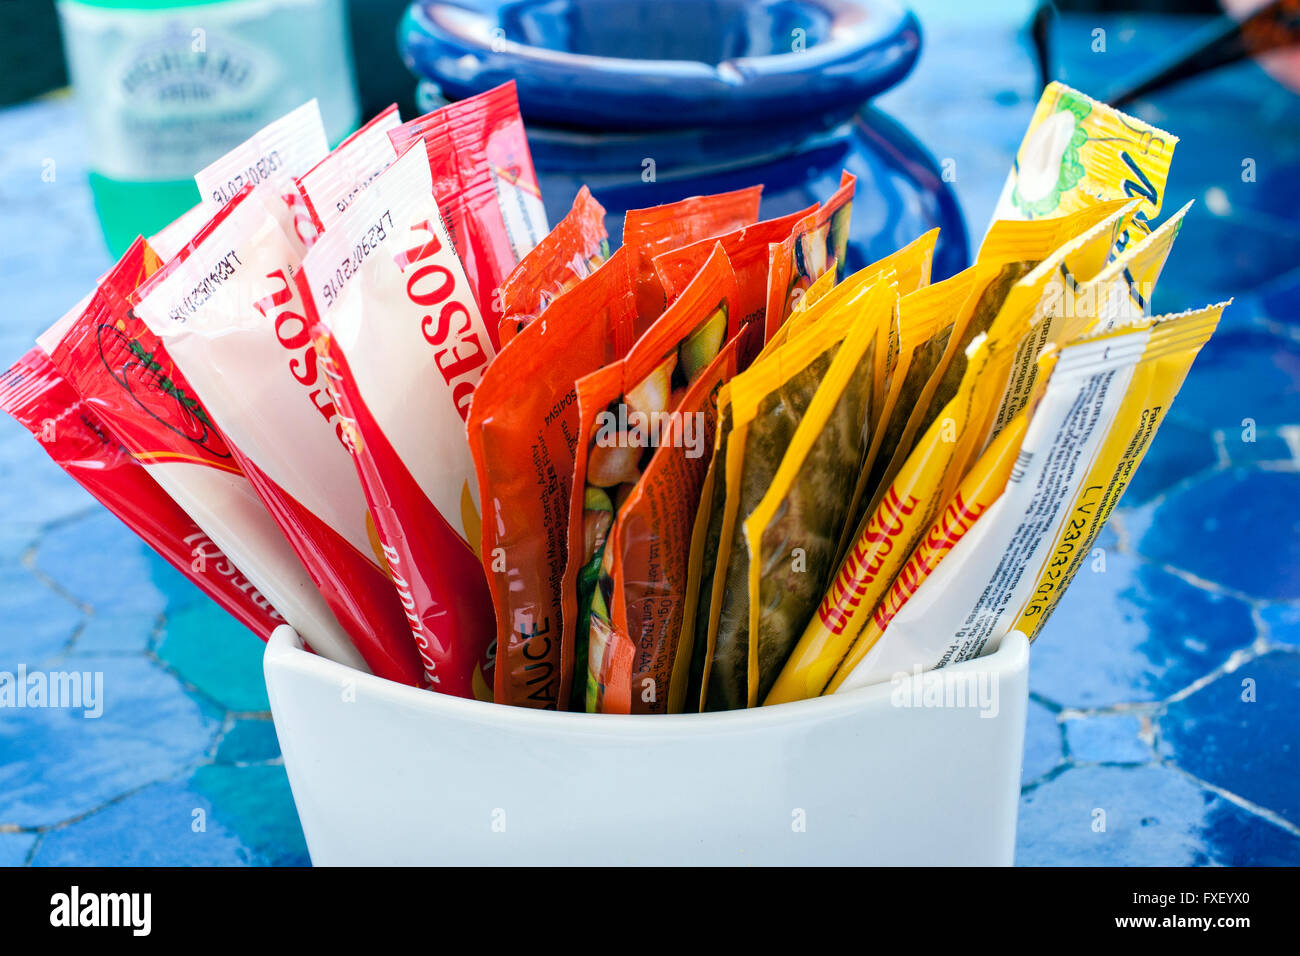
[
  {"x": 638, "y": 609},
  {"x": 1077, "y": 152},
  {"x": 523, "y": 434},
  {"x": 818, "y": 244},
  {"x": 627, "y": 410},
  {"x": 126, "y": 376}
]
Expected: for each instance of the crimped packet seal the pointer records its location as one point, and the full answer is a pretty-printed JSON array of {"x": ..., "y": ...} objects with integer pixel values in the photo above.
[
  {"x": 174, "y": 236},
  {"x": 402, "y": 347},
  {"x": 1122, "y": 291},
  {"x": 652, "y": 231},
  {"x": 485, "y": 185},
  {"x": 275, "y": 154},
  {"x": 330, "y": 186},
  {"x": 570, "y": 252},
  {"x": 748, "y": 249}
]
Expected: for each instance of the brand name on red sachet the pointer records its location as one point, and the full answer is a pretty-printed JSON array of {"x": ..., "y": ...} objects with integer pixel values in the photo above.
[
  {"x": 863, "y": 563},
  {"x": 208, "y": 555},
  {"x": 293, "y": 332},
  {"x": 462, "y": 356},
  {"x": 955, "y": 521}
]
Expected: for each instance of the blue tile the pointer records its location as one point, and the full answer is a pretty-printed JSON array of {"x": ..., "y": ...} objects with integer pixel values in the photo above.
[
  {"x": 1239, "y": 378},
  {"x": 1279, "y": 300},
  {"x": 34, "y": 490},
  {"x": 1107, "y": 738},
  {"x": 103, "y": 564},
  {"x": 1262, "y": 447},
  {"x": 219, "y": 816},
  {"x": 1107, "y": 538},
  {"x": 1133, "y": 633},
  {"x": 1205, "y": 268},
  {"x": 218, "y": 655},
  {"x": 116, "y": 634},
  {"x": 1153, "y": 816},
  {"x": 249, "y": 741},
  {"x": 1177, "y": 452},
  {"x": 14, "y": 848},
  {"x": 1282, "y": 622},
  {"x": 1239, "y": 528},
  {"x": 1241, "y": 732},
  {"x": 1043, "y": 751},
  {"x": 38, "y": 624},
  {"x": 56, "y": 763}
]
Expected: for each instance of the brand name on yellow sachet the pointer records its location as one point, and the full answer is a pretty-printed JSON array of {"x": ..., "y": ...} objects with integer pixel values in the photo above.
[
  {"x": 863, "y": 563},
  {"x": 956, "y": 520}
]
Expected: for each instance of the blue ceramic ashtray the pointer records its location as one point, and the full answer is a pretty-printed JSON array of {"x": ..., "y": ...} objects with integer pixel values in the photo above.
[
  {"x": 650, "y": 101},
  {"x": 649, "y": 64}
]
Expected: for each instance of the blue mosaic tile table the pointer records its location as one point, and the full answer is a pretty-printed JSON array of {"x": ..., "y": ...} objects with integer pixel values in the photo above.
[{"x": 1164, "y": 691}]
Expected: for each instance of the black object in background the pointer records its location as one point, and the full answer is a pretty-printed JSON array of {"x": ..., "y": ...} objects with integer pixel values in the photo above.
[
  {"x": 31, "y": 51},
  {"x": 382, "y": 78},
  {"x": 1198, "y": 7}
]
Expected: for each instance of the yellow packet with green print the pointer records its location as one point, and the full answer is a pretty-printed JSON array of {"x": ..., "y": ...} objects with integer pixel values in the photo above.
[{"x": 1078, "y": 151}]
